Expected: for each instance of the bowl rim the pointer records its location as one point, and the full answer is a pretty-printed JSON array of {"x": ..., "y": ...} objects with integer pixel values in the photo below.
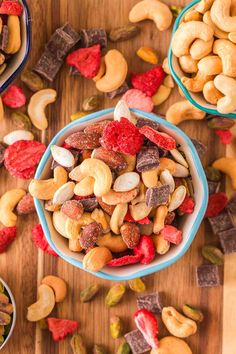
[
  {"x": 197, "y": 222},
  {"x": 14, "y": 312},
  {"x": 176, "y": 77},
  {"x": 13, "y": 76}
]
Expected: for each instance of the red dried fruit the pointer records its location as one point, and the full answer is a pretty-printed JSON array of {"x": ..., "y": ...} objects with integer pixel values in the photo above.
[
  {"x": 216, "y": 203},
  {"x": 26, "y": 205},
  {"x": 169, "y": 218},
  {"x": 146, "y": 322},
  {"x": 40, "y": 240},
  {"x": 145, "y": 249},
  {"x": 60, "y": 327},
  {"x": 144, "y": 221},
  {"x": 162, "y": 140},
  {"x": 172, "y": 234},
  {"x": 224, "y": 135},
  {"x": 11, "y": 8},
  {"x": 138, "y": 99},
  {"x": 22, "y": 157},
  {"x": 14, "y": 97},
  {"x": 66, "y": 146},
  {"x": 78, "y": 197},
  {"x": 149, "y": 81},
  {"x": 86, "y": 60},
  {"x": 122, "y": 136},
  {"x": 187, "y": 207},
  {"x": 7, "y": 236},
  {"x": 125, "y": 260}
]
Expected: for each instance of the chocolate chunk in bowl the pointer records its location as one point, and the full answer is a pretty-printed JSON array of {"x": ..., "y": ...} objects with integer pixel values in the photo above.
[
  {"x": 148, "y": 159},
  {"x": 156, "y": 196}
]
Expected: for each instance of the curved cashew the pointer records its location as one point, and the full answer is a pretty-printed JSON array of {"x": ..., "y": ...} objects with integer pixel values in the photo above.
[
  {"x": 169, "y": 82},
  {"x": 162, "y": 246},
  {"x": 141, "y": 196},
  {"x": 59, "y": 222},
  {"x": 183, "y": 110},
  {"x": 44, "y": 306},
  {"x": 58, "y": 285},
  {"x": 217, "y": 32},
  {"x": 210, "y": 65},
  {"x": 100, "y": 172},
  {"x": 113, "y": 78},
  {"x": 139, "y": 211},
  {"x": 177, "y": 324},
  {"x": 172, "y": 345},
  {"x": 114, "y": 198},
  {"x": 210, "y": 93},
  {"x": 100, "y": 217},
  {"x": 203, "y": 6},
  {"x": 220, "y": 14},
  {"x": 188, "y": 64},
  {"x": 74, "y": 245},
  {"x": 37, "y": 106},
  {"x": 227, "y": 52},
  {"x": 193, "y": 15},
  {"x": 165, "y": 66},
  {"x": 226, "y": 85},
  {"x": 232, "y": 37},
  {"x": 76, "y": 174},
  {"x": 117, "y": 217},
  {"x": 85, "y": 187},
  {"x": 114, "y": 243},
  {"x": 14, "y": 34},
  {"x": 45, "y": 189},
  {"x": 196, "y": 83},
  {"x": 8, "y": 202},
  {"x": 150, "y": 178},
  {"x": 227, "y": 165},
  {"x": 187, "y": 33},
  {"x": 159, "y": 219},
  {"x": 152, "y": 10},
  {"x": 199, "y": 49},
  {"x": 161, "y": 95},
  {"x": 166, "y": 164},
  {"x": 73, "y": 227},
  {"x": 96, "y": 259},
  {"x": 233, "y": 8}
]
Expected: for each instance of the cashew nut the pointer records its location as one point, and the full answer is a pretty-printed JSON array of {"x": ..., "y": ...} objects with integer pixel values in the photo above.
[
  {"x": 187, "y": 33},
  {"x": 116, "y": 71},
  {"x": 227, "y": 52},
  {"x": 101, "y": 70},
  {"x": 165, "y": 66},
  {"x": 152, "y": 10},
  {"x": 114, "y": 243},
  {"x": 100, "y": 217},
  {"x": 37, "y": 106},
  {"x": 226, "y": 85},
  {"x": 227, "y": 165},
  {"x": 8, "y": 202},
  {"x": 58, "y": 285},
  {"x": 233, "y": 8},
  {"x": 1, "y": 109},
  {"x": 177, "y": 324},
  {"x": 100, "y": 172},
  {"x": 196, "y": 83},
  {"x": 199, "y": 49},
  {"x": 162, "y": 246},
  {"x": 96, "y": 259},
  {"x": 159, "y": 219},
  {"x": 166, "y": 164},
  {"x": 183, "y": 110},
  {"x": 203, "y": 6},
  {"x": 172, "y": 345},
  {"x": 73, "y": 227},
  {"x": 193, "y": 15},
  {"x": 59, "y": 222},
  {"x": 117, "y": 217},
  {"x": 161, "y": 95},
  {"x": 210, "y": 65},
  {"x": 114, "y": 198},
  {"x": 141, "y": 196},
  {"x": 44, "y": 306},
  {"x": 74, "y": 245},
  {"x": 150, "y": 178},
  {"x": 45, "y": 189},
  {"x": 220, "y": 14},
  {"x": 188, "y": 64},
  {"x": 14, "y": 34},
  {"x": 84, "y": 187},
  {"x": 169, "y": 82},
  {"x": 131, "y": 163},
  {"x": 232, "y": 37},
  {"x": 217, "y": 32},
  {"x": 210, "y": 93},
  {"x": 76, "y": 174},
  {"x": 139, "y": 211}
]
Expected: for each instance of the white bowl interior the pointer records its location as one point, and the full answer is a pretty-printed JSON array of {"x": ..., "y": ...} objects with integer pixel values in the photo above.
[{"x": 13, "y": 315}]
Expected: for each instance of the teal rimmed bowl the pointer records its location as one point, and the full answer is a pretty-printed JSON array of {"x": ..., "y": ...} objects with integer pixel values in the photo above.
[
  {"x": 189, "y": 225},
  {"x": 196, "y": 99}
]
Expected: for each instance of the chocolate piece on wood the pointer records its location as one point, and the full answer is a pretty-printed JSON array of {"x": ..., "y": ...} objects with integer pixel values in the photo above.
[
  {"x": 90, "y": 37},
  {"x": 199, "y": 146},
  {"x": 151, "y": 302},
  {"x": 213, "y": 187},
  {"x": 156, "y": 196},
  {"x": 221, "y": 222},
  {"x": 122, "y": 89},
  {"x": 147, "y": 159},
  {"x": 71, "y": 32},
  {"x": 48, "y": 65},
  {"x": 141, "y": 122},
  {"x": 228, "y": 240},
  {"x": 232, "y": 204},
  {"x": 207, "y": 275},
  {"x": 137, "y": 343}
]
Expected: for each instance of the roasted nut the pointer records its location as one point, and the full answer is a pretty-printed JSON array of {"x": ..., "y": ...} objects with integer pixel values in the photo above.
[
  {"x": 59, "y": 222},
  {"x": 114, "y": 198},
  {"x": 141, "y": 196},
  {"x": 137, "y": 285},
  {"x": 63, "y": 193},
  {"x": 44, "y": 306},
  {"x": 58, "y": 285},
  {"x": 115, "y": 295},
  {"x": 73, "y": 227},
  {"x": 21, "y": 120},
  {"x": 99, "y": 216},
  {"x": 14, "y": 34},
  {"x": 96, "y": 259},
  {"x": 5, "y": 319},
  {"x": 8, "y": 202},
  {"x": 85, "y": 187},
  {"x": 113, "y": 159},
  {"x": 114, "y": 243},
  {"x": 161, "y": 95},
  {"x": 90, "y": 234},
  {"x": 107, "y": 208},
  {"x": 139, "y": 211},
  {"x": 159, "y": 219},
  {"x": 49, "y": 206},
  {"x": 131, "y": 161},
  {"x": 32, "y": 80},
  {"x": 150, "y": 178},
  {"x": 177, "y": 324},
  {"x": 183, "y": 110},
  {"x": 130, "y": 234},
  {"x": 74, "y": 245},
  {"x": 116, "y": 327},
  {"x": 165, "y": 66},
  {"x": 89, "y": 293},
  {"x": 77, "y": 345},
  {"x": 117, "y": 217},
  {"x": 162, "y": 246},
  {"x": 26, "y": 205},
  {"x": 172, "y": 345},
  {"x": 73, "y": 209},
  {"x": 123, "y": 33},
  {"x": 147, "y": 54},
  {"x": 193, "y": 15},
  {"x": 188, "y": 64},
  {"x": 101, "y": 70},
  {"x": 193, "y": 313}
]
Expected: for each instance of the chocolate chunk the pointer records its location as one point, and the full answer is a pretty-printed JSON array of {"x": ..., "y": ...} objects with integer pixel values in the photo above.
[
  {"x": 156, "y": 196},
  {"x": 199, "y": 146},
  {"x": 4, "y": 38},
  {"x": 221, "y": 222},
  {"x": 213, "y": 187},
  {"x": 228, "y": 240},
  {"x": 137, "y": 343},
  {"x": 148, "y": 159},
  {"x": 89, "y": 204},
  {"x": 90, "y": 37},
  {"x": 48, "y": 66},
  {"x": 2, "y": 150},
  {"x": 73, "y": 71},
  {"x": 207, "y": 275},
  {"x": 141, "y": 122},
  {"x": 150, "y": 302},
  {"x": 232, "y": 204},
  {"x": 122, "y": 89},
  {"x": 75, "y": 36}
]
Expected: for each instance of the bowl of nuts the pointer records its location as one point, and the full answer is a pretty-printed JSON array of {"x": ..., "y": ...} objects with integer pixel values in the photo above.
[
  {"x": 120, "y": 193},
  {"x": 15, "y": 42},
  {"x": 202, "y": 56},
  {"x": 7, "y": 313}
]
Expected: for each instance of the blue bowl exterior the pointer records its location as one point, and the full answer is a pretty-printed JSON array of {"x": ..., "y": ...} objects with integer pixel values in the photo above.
[
  {"x": 176, "y": 77},
  {"x": 151, "y": 269},
  {"x": 28, "y": 47}
]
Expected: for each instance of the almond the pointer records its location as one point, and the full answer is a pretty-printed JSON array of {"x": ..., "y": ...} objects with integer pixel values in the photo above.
[
  {"x": 96, "y": 127},
  {"x": 26, "y": 205},
  {"x": 73, "y": 209},
  {"x": 130, "y": 234},
  {"x": 113, "y": 159},
  {"x": 106, "y": 207},
  {"x": 81, "y": 140},
  {"x": 90, "y": 235}
]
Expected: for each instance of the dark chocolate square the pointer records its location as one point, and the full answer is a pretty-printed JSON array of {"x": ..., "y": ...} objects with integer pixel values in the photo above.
[
  {"x": 156, "y": 196},
  {"x": 199, "y": 146},
  {"x": 48, "y": 65},
  {"x": 90, "y": 37},
  {"x": 122, "y": 89},
  {"x": 221, "y": 222},
  {"x": 147, "y": 159},
  {"x": 4, "y": 38},
  {"x": 228, "y": 240},
  {"x": 207, "y": 275},
  {"x": 213, "y": 187},
  {"x": 59, "y": 44},
  {"x": 141, "y": 122},
  {"x": 232, "y": 204},
  {"x": 150, "y": 302},
  {"x": 71, "y": 32},
  {"x": 137, "y": 343}
]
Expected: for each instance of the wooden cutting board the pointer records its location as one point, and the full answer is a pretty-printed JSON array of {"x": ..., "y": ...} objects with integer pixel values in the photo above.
[{"x": 23, "y": 266}]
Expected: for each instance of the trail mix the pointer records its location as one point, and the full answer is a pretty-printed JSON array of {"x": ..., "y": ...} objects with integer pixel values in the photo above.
[{"x": 6, "y": 313}]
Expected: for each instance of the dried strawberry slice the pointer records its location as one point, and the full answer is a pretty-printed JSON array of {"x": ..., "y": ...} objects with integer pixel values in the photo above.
[
  {"x": 187, "y": 207},
  {"x": 60, "y": 327},
  {"x": 146, "y": 322},
  {"x": 172, "y": 234},
  {"x": 145, "y": 249},
  {"x": 225, "y": 136},
  {"x": 149, "y": 81},
  {"x": 79, "y": 197},
  {"x": 40, "y": 241},
  {"x": 144, "y": 221},
  {"x": 125, "y": 260},
  {"x": 7, "y": 236},
  {"x": 14, "y": 97},
  {"x": 11, "y": 8},
  {"x": 216, "y": 204},
  {"x": 86, "y": 60},
  {"x": 162, "y": 140}
]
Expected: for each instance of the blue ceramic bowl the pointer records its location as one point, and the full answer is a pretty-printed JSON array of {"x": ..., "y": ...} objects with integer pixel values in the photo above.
[
  {"x": 190, "y": 223},
  {"x": 196, "y": 99},
  {"x": 19, "y": 59}
]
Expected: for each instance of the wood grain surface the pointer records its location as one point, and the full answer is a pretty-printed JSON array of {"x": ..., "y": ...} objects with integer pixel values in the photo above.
[{"x": 23, "y": 266}]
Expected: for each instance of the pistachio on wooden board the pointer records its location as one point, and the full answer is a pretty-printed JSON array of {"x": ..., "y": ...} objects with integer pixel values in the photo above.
[
  {"x": 89, "y": 293},
  {"x": 193, "y": 313},
  {"x": 116, "y": 327},
  {"x": 213, "y": 254},
  {"x": 123, "y": 33},
  {"x": 115, "y": 295}
]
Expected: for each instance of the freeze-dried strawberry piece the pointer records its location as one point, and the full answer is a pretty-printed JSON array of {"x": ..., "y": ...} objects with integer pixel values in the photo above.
[
  {"x": 86, "y": 60},
  {"x": 149, "y": 81},
  {"x": 60, "y": 327},
  {"x": 172, "y": 234},
  {"x": 145, "y": 249},
  {"x": 162, "y": 140},
  {"x": 125, "y": 260},
  {"x": 144, "y": 221},
  {"x": 11, "y": 8},
  {"x": 66, "y": 146},
  {"x": 187, "y": 207},
  {"x": 138, "y": 99},
  {"x": 225, "y": 136},
  {"x": 122, "y": 136},
  {"x": 216, "y": 204},
  {"x": 78, "y": 197},
  {"x": 7, "y": 236},
  {"x": 146, "y": 322},
  {"x": 40, "y": 240},
  {"x": 21, "y": 158},
  {"x": 14, "y": 97}
]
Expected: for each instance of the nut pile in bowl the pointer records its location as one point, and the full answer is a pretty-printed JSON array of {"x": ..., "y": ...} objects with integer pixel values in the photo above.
[
  {"x": 6, "y": 314},
  {"x": 205, "y": 45},
  {"x": 118, "y": 191}
]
